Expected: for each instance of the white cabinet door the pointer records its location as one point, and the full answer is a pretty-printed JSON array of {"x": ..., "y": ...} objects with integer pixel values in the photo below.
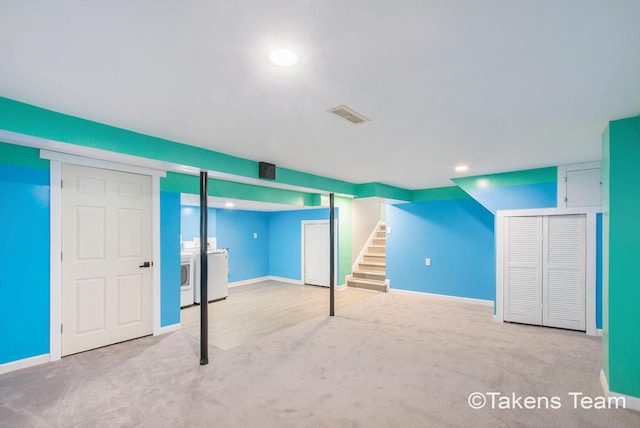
[
  {"x": 564, "y": 281},
  {"x": 584, "y": 188},
  {"x": 523, "y": 270},
  {"x": 106, "y": 223},
  {"x": 316, "y": 254}
]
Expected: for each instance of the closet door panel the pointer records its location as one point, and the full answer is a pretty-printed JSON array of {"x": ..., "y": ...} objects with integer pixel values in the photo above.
[
  {"x": 564, "y": 282},
  {"x": 523, "y": 270}
]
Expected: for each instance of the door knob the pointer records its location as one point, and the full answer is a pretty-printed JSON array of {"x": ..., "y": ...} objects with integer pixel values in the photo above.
[{"x": 146, "y": 264}]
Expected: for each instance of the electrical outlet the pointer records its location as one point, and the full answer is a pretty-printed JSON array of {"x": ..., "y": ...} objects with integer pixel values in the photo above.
[
  {"x": 388, "y": 230},
  {"x": 255, "y": 235},
  {"x": 427, "y": 262}
]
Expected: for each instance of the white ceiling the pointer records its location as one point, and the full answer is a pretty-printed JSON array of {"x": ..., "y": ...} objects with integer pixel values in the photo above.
[{"x": 501, "y": 85}]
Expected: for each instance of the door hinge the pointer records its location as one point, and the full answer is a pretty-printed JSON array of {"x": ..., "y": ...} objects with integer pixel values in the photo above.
[
  {"x": 60, "y": 255},
  {"x": 61, "y": 329},
  {"x": 61, "y": 183}
]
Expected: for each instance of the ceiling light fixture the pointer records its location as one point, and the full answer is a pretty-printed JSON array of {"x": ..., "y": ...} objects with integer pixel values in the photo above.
[
  {"x": 283, "y": 57},
  {"x": 462, "y": 168}
]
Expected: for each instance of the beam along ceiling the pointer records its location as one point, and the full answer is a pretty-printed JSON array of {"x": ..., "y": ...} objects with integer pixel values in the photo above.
[{"x": 499, "y": 85}]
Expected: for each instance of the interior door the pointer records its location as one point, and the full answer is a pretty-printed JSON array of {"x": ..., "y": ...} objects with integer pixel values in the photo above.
[
  {"x": 564, "y": 281},
  {"x": 316, "y": 254},
  {"x": 523, "y": 270},
  {"x": 106, "y": 238}
]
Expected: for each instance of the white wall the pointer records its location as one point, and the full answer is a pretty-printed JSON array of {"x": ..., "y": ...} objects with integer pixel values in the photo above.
[{"x": 365, "y": 215}]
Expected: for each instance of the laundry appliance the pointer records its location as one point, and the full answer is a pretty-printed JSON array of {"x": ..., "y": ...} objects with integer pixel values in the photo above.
[
  {"x": 217, "y": 271},
  {"x": 187, "y": 278}
]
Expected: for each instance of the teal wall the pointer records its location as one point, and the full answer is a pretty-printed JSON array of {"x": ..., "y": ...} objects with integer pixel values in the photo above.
[
  {"x": 31, "y": 120},
  {"x": 534, "y": 188},
  {"x": 621, "y": 227}
]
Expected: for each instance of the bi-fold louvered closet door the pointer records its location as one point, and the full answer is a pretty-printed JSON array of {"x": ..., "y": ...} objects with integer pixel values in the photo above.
[{"x": 544, "y": 270}]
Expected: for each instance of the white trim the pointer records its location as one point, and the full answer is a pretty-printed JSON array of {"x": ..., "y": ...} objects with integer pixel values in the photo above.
[
  {"x": 55, "y": 260},
  {"x": 599, "y": 332},
  {"x": 121, "y": 158},
  {"x": 168, "y": 329},
  {"x": 471, "y": 300},
  {"x": 249, "y": 281},
  {"x": 99, "y": 163},
  {"x": 303, "y": 223},
  {"x": 590, "y": 274},
  {"x": 288, "y": 280},
  {"x": 55, "y": 245},
  {"x": 155, "y": 254},
  {"x": 631, "y": 402},
  {"x": 24, "y": 363},
  {"x": 366, "y": 244}
]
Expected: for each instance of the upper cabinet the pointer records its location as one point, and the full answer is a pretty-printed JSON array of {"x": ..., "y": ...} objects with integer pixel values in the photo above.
[{"x": 579, "y": 185}]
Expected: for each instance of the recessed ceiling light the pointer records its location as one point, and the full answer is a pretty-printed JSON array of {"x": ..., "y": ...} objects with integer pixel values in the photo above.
[
  {"x": 283, "y": 57},
  {"x": 462, "y": 168},
  {"x": 229, "y": 204}
]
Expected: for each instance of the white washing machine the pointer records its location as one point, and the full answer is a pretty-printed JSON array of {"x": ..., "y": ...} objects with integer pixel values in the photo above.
[
  {"x": 218, "y": 271},
  {"x": 187, "y": 278}
]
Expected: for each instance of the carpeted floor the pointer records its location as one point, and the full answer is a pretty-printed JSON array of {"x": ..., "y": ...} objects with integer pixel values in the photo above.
[{"x": 392, "y": 360}]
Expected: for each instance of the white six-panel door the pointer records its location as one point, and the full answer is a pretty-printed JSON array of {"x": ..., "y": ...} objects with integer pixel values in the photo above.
[
  {"x": 316, "y": 254},
  {"x": 106, "y": 237}
]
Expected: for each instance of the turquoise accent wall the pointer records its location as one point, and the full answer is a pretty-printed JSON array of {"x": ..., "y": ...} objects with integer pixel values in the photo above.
[
  {"x": 621, "y": 247},
  {"x": 248, "y": 256},
  {"x": 599, "y": 271},
  {"x": 456, "y": 234},
  {"x": 24, "y": 287},
  {"x": 31, "y": 120},
  {"x": 170, "y": 258},
  {"x": 190, "y": 222},
  {"x": 536, "y": 188}
]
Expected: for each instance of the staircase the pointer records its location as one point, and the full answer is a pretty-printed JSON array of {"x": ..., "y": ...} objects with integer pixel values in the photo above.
[{"x": 371, "y": 267}]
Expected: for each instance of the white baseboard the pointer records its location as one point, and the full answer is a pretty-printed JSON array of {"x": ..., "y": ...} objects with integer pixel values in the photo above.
[
  {"x": 446, "y": 297},
  {"x": 168, "y": 329},
  {"x": 288, "y": 280},
  {"x": 249, "y": 281},
  {"x": 599, "y": 332},
  {"x": 24, "y": 363},
  {"x": 632, "y": 403}
]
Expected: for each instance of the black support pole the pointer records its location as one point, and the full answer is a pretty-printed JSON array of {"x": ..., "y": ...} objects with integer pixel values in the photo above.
[
  {"x": 332, "y": 283},
  {"x": 204, "y": 315}
]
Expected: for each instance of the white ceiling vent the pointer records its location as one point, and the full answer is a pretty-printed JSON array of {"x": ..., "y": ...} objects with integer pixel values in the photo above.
[{"x": 347, "y": 114}]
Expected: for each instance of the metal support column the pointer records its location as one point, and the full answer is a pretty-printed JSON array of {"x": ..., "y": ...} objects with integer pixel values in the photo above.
[
  {"x": 204, "y": 300},
  {"x": 332, "y": 283}
]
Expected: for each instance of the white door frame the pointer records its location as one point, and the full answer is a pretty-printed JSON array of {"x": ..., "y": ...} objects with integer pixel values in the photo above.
[
  {"x": 303, "y": 223},
  {"x": 56, "y": 159},
  {"x": 590, "y": 214}
]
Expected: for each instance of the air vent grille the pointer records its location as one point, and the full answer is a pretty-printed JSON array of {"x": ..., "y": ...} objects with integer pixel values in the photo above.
[{"x": 347, "y": 114}]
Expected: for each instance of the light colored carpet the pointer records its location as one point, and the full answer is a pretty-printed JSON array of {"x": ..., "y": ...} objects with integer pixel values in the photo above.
[{"x": 392, "y": 360}]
